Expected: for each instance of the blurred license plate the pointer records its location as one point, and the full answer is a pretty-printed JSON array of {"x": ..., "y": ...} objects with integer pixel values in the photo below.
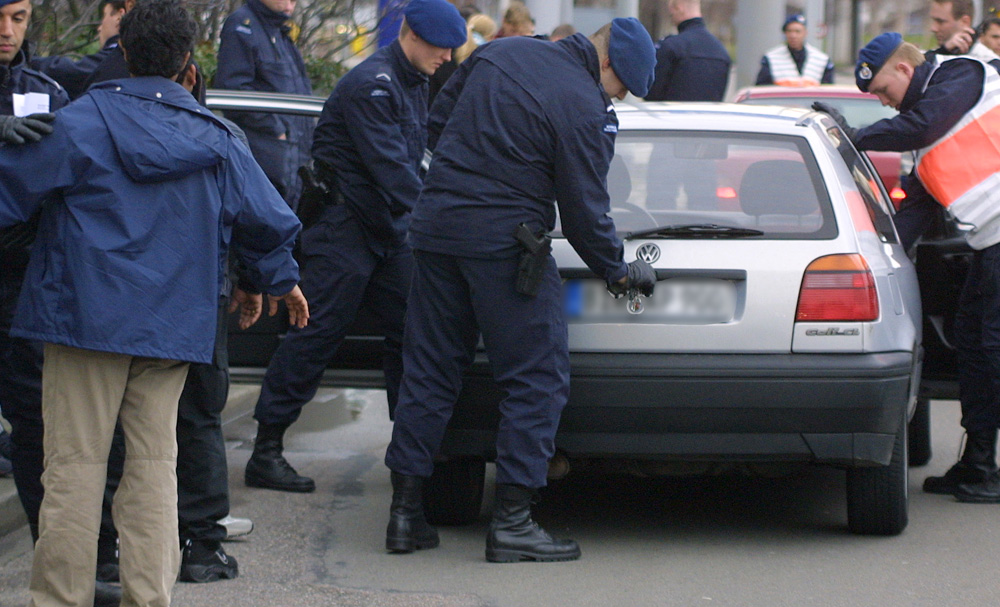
[{"x": 679, "y": 300}]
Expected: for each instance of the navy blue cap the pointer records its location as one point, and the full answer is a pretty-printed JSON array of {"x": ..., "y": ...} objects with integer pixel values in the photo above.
[
  {"x": 873, "y": 56},
  {"x": 796, "y": 18},
  {"x": 437, "y": 22},
  {"x": 6, "y": 2},
  {"x": 633, "y": 57}
]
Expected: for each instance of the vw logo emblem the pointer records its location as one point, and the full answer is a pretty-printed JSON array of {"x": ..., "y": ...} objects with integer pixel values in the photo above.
[{"x": 648, "y": 252}]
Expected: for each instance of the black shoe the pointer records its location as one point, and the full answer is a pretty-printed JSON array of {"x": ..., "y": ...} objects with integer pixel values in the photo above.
[
  {"x": 107, "y": 595},
  {"x": 203, "y": 562},
  {"x": 514, "y": 537},
  {"x": 268, "y": 469},
  {"x": 978, "y": 462},
  {"x": 408, "y": 529},
  {"x": 986, "y": 492}
]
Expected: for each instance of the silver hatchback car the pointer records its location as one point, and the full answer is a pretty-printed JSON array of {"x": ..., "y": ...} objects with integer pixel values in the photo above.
[{"x": 786, "y": 324}]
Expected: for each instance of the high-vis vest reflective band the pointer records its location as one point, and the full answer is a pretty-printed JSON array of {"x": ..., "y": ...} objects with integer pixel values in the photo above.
[
  {"x": 962, "y": 168},
  {"x": 784, "y": 72}
]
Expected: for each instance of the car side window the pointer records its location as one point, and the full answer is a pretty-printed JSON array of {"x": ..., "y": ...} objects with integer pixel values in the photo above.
[{"x": 872, "y": 191}]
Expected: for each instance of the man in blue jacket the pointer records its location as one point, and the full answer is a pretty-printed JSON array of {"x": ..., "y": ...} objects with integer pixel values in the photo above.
[
  {"x": 522, "y": 126},
  {"x": 257, "y": 52},
  {"x": 369, "y": 142},
  {"x": 943, "y": 106},
  {"x": 693, "y": 65},
  {"x": 144, "y": 194}
]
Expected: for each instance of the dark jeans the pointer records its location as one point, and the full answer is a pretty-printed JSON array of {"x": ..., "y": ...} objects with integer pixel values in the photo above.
[
  {"x": 977, "y": 340},
  {"x": 202, "y": 474},
  {"x": 340, "y": 273}
]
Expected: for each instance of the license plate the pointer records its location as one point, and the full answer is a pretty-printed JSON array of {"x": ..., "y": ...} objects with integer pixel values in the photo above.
[{"x": 676, "y": 300}]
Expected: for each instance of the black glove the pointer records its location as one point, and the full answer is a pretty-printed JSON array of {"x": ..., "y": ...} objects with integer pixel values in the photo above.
[
  {"x": 19, "y": 129},
  {"x": 834, "y": 113},
  {"x": 641, "y": 277}
]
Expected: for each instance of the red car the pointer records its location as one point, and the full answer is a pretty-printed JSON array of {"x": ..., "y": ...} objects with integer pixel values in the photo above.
[{"x": 860, "y": 109}]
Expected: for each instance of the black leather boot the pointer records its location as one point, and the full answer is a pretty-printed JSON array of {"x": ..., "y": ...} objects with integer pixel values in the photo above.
[
  {"x": 978, "y": 462},
  {"x": 513, "y": 536},
  {"x": 269, "y": 469},
  {"x": 408, "y": 530}
]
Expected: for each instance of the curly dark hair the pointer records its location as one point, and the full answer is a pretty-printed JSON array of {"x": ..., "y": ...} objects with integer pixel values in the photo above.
[{"x": 156, "y": 35}]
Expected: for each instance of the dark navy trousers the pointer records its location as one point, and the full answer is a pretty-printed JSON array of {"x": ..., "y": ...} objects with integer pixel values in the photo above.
[
  {"x": 977, "y": 340},
  {"x": 341, "y": 272},
  {"x": 453, "y": 300}
]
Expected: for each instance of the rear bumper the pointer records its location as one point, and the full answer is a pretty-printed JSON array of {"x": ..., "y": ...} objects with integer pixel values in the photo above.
[{"x": 824, "y": 408}]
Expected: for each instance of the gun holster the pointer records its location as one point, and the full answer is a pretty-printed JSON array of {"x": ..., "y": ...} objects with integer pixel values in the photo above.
[
  {"x": 318, "y": 190},
  {"x": 534, "y": 257}
]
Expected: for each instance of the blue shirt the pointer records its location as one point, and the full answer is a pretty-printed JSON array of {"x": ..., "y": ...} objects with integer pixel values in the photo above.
[
  {"x": 691, "y": 66},
  {"x": 522, "y": 124}
]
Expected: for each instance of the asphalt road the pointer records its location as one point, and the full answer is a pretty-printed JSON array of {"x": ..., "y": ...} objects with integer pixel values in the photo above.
[{"x": 738, "y": 539}]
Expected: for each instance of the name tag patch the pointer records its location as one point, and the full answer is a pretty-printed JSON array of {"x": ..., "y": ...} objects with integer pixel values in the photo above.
[{"x": 380, "y": 93}]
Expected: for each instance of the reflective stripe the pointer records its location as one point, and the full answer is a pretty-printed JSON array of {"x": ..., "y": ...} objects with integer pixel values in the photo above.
[
  {"x": 784, "y": 72},
  {"x": 962, "y": 168}
]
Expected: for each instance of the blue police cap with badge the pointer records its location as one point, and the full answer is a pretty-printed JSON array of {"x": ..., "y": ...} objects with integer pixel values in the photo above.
[
  {"x": 632, "y": 55},
  {"x": 873, "y": 56},
  {"x": 437, "y": 22},
  {"x": 800, "y": 19}
]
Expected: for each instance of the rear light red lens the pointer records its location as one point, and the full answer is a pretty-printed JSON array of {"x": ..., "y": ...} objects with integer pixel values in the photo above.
[
  {"x": 897, "y": 195},
  {"x": 838, "y": 288},
  {"x": 725, "y": 192}
]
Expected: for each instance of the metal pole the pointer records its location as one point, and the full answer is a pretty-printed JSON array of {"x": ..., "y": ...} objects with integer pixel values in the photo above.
[{"x": 758, "y": 28}]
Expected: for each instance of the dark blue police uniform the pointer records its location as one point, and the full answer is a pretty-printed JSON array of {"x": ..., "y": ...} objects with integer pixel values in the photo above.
[
  {"x": 690, "y": 66},
  {"x": 256, "y": 54},
  {"x": 371, "y": 136},
  {"x": 929, "y": 109},
  {"x": 21, "y": 359},
  {"x": 77, "y": 75},
  {"x": 522, "y": 124}
]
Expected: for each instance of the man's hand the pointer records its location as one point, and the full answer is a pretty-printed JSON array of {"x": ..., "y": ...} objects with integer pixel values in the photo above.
[
  {"x": 834, "y": 113},
  {"x": 250, "y": 306},
  {"x": 298, "y": 307},
  {"x": 961, "y": 42},
  {"x": 641, "y": 277},
  {"x": 19, "y": 129}
]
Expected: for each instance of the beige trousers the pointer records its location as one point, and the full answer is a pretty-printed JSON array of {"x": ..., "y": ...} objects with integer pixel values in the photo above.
[{"x": 83, "y": 393}]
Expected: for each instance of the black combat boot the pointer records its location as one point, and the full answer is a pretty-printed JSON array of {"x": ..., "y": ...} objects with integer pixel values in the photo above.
[
  {"x": 268, "y": 468},
  {"x": 408, "y": 529},
  {"x": 978, "y": 463},
  {"x": 513, "y": 536}
]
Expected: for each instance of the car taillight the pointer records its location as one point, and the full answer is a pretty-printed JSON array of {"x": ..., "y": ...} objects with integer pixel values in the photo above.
[
  {"x": 725, "y": 192},
  {"x": 897, "y": 194},
  {"x": 838, "y": 288}
]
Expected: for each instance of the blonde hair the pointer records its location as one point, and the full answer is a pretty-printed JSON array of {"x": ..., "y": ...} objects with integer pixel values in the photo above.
[
  {"x": 478, "y": 24},
  {"x": 906, "y": 53},
  {"x": 518, "y": 20}
]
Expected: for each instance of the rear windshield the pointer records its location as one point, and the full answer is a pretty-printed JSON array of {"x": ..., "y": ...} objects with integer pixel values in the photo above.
[
  {"x": 858, "y": 112},
  {"x": 762, "y": 182}
]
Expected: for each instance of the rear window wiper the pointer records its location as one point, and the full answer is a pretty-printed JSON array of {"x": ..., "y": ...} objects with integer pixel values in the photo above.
[{"x": 698, "y": 230}]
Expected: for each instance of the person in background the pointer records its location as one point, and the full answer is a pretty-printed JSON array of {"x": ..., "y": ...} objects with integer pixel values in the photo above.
[
  {"x": 517, "y": 21},
  {"x": 200, "y": 194},
  {"x": 523, "y": 126},
  {"x": 562, "y": 31},
  {"x": 691, "y": 65},
  {"x": 795, "y": 63},
  {"x": 990, "y": 34},
  {"x": 257, "y": 52}
]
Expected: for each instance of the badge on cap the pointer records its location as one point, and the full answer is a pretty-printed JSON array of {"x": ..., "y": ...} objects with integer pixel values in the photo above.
[{"x": 865, "y": 73}]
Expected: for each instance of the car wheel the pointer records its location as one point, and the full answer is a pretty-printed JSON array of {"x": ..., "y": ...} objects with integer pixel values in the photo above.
[
  {"x": 453, "y": 495},
  {"x": 920, "y": 433},
  {"x": 877, "y": 497}
]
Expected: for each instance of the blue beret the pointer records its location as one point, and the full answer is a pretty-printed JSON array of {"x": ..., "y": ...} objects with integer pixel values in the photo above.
[
  {"x": 796, "y": 18},
  {"x": 437, "y": 22},
  {"x": 632, "y": 55},
  {"x": 6, "y": 2},
  {"x": 873, "y": 56}
]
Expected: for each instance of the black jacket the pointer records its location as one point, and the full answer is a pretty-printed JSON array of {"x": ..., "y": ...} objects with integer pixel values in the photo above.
[{"x": 690, "y": 66}]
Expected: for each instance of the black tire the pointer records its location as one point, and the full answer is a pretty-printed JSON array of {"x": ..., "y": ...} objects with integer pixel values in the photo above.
[
  {"x": 920, "y": 433},
  {"x": 878, "y": 497},
  {"x": 453, "y": 495}
]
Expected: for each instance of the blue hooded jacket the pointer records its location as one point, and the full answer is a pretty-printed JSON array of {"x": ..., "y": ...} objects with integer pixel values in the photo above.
[{"x": 142, "y": 192}]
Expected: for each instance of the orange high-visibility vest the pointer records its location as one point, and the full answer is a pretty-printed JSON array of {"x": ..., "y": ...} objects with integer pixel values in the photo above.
[
  {"x": 961, "y": 170},
  {"x": 784, "y": 72}
]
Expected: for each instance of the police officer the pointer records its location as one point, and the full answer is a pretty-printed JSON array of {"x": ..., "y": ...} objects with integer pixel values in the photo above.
[
  {"x": 692, "y": 65},
  {"x": 522, "y": 125},
  {"x": 257, "y": 52},
  {"x": 795, "y": 63},
  {"x": 943, "y": 106},
  {"x": 369, "y": 142}
]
